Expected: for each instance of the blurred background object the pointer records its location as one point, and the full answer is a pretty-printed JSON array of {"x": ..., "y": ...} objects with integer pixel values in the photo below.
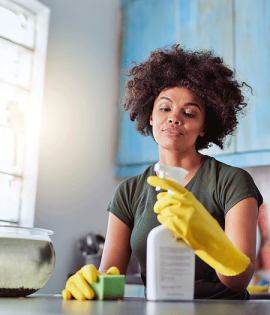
[
  {"x": 91, "y": 244},
  {"x": 91, "y": 247},
  {"x": 263, "y": 257},
  {"x": 262, "y": 265}
]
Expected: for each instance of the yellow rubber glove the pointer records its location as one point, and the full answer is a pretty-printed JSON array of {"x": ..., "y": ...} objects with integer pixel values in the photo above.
[
  {"x": 77, "y": 285},
  {"x": 187, "y": 218}
]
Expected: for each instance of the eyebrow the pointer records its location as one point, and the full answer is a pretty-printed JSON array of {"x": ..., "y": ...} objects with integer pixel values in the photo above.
[
  {"x": 193, "y": 104},
  {"x": 186, "y": 104},
  {"x": 165, "y": 98}
]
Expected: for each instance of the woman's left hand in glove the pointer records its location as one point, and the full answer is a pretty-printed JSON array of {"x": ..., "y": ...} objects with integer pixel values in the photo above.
[{"x": 187, "y": 218}]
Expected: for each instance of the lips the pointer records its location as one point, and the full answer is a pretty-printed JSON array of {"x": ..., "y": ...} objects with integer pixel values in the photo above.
[{"x": 172, "y": 132}]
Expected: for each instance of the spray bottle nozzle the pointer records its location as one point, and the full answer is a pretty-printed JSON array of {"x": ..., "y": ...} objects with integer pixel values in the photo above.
[{"x": 173, "y": 173}]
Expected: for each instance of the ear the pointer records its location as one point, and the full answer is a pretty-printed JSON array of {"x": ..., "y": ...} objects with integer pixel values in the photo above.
[
  {"x": 151, "y": 120},
  {"x": 202, "y": 133}
]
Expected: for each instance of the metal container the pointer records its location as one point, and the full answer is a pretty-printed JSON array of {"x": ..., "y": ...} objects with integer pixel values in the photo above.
[{"x": 27, "y": 259}]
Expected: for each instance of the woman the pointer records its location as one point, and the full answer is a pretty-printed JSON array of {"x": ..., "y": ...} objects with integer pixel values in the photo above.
[{"x": 186, "y": 101}]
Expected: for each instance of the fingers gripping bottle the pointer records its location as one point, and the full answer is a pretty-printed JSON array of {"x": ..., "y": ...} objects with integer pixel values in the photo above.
[{"x": 170, "y": 263}]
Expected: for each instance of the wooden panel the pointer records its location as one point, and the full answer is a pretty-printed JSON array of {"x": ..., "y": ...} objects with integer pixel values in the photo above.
[
  {"x": 246, "y": 159},
  {"x": 252, "y": 42},
  {"x": 238, "y": 31},
  {"x": 147, "y": 25},
  {"x": 127, "y": 170},
  {"x": 208, "y": 24}
]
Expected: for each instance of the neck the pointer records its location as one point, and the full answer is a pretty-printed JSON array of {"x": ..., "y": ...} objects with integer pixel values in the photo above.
[
  {"x": 187, "y": 161},
  {"x": 190, "y": 161}
]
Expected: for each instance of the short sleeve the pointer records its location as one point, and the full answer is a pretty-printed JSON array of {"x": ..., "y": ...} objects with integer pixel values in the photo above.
[
  {"x": 120, "y": 204},
  {"x": 237, "y": 184}
]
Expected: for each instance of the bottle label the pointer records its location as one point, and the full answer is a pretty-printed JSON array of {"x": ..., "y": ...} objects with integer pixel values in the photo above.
[
  {"x": 170, "y": 267},
  {"x": 176, "y": 276}
]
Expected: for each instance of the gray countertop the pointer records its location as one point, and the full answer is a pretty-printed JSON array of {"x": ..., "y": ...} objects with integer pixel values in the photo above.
[{"x": 54, "y": 304}]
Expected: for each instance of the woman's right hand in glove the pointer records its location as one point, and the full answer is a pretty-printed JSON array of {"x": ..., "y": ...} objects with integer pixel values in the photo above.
[{"x": 77, "y": 286}]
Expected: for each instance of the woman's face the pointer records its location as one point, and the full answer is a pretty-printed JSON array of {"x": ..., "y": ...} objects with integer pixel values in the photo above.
[{"x": 177, "y": 119}]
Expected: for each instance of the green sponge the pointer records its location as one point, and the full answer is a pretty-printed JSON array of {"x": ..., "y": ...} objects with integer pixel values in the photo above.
[{"x": 109, "y": 287}]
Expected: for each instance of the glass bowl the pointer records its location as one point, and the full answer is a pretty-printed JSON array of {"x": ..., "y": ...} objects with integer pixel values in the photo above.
[{"x": 27, "y": 259}]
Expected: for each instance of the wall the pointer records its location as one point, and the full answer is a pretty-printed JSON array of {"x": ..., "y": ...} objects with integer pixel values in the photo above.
[{"x": 76, "y": 163}]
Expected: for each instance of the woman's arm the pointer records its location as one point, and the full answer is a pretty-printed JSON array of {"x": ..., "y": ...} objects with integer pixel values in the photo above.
[
  {"x": 240, "y": 227},
  {"x": 117, "y": 249}
]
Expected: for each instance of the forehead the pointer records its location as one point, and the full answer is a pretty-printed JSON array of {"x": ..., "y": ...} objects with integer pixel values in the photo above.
[
  {"x": 179, "y": 94},
  {"x": 176, "y": 92}
]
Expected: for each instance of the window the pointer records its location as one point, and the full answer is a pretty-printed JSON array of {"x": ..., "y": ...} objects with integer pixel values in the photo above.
[{"x": 23, "y": 41}]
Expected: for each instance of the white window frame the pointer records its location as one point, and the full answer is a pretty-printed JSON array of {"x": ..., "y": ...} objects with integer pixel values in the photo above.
[{"x": 30, "y": 170}]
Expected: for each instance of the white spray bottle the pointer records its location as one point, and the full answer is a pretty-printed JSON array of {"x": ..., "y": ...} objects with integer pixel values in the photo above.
[{"x": 170, "y": 264}]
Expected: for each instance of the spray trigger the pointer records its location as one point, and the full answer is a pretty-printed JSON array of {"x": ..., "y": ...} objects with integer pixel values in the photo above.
[{"x": 173, "y": 173}]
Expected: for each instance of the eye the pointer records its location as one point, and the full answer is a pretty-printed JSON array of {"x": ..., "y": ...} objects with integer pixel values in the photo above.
[
  {"x": 189, "y": 115},
  {"x": 164, "y": 109}
]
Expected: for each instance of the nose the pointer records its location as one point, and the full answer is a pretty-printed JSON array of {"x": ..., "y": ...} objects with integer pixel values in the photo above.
[{"x": 174, "y": 121}]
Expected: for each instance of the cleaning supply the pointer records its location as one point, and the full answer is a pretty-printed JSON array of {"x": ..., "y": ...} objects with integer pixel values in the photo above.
[
  {"x": 173, "y": 173},
  {"x": 109, "y": 287},
  {"x": 187, "y": 219},
  {"x": 170, "y": 263},
  {"x": 257, "y": 288},
  {"x": 88, "y": 282}
]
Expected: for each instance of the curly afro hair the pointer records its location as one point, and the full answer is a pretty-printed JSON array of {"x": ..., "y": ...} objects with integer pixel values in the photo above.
[{"x": 205, "y": 75}]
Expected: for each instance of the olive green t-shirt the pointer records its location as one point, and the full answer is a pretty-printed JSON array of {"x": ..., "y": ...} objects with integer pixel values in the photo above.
[{"x": 216, "y": 185}]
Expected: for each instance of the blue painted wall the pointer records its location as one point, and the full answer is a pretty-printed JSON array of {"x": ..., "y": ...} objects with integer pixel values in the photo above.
[{"x": 237, "y": 30}]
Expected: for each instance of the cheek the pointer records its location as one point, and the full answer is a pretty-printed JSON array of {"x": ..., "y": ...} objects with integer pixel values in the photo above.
[
  {"x": 154, "y": 131},
  {"x": 196, "y": 130}
]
